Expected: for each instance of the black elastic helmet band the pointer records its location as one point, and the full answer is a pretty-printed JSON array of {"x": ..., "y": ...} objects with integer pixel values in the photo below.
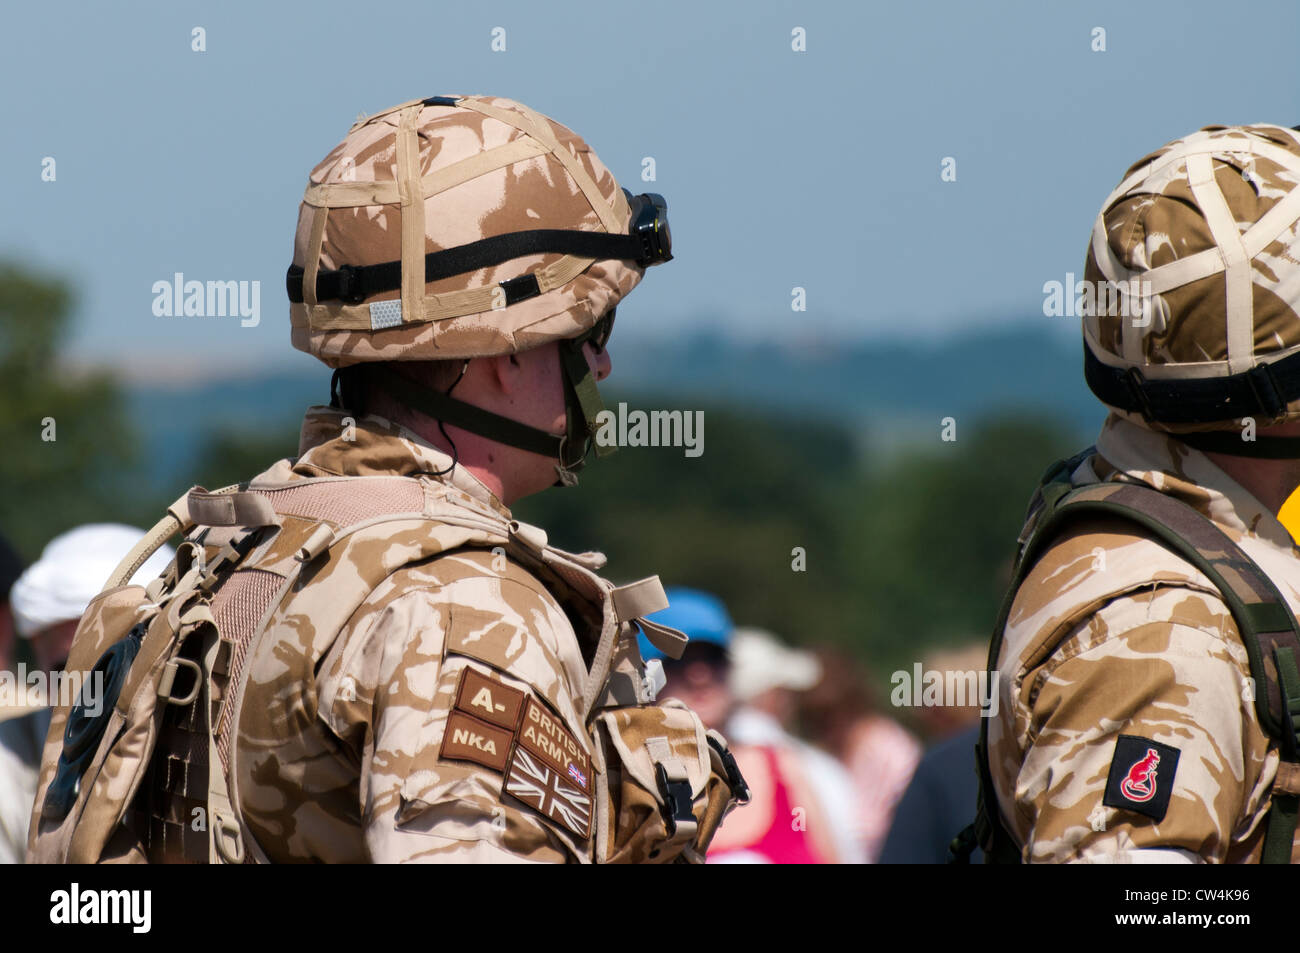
[
  {"x": 1263, "y": 391},
  {"x": 648, "y": 242}
]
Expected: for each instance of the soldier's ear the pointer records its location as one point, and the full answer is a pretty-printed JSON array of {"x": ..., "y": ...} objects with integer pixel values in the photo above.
[{"x": 505, "y": 371}]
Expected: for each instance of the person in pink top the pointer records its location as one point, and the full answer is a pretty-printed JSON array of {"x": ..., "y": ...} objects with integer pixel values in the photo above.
[{"x": 785, "y": 821}]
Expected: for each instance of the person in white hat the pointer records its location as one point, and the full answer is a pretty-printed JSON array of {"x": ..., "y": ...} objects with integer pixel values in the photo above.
[
  {"x": 765, "y": 679},
  {"x": 47, "y": 602}
]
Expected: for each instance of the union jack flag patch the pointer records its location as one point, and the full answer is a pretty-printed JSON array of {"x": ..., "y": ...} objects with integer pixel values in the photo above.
[
  {"x": 576, "y": 773},
  {"x": 546, "y": 791}
]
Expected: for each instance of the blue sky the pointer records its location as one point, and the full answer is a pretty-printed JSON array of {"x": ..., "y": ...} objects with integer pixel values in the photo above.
[{"x": 818, "y": 169}]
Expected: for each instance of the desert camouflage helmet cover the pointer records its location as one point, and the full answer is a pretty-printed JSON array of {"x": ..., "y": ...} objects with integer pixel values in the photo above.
[
  {"x": 1209, "y": 227},
  {"x": 440, "y": 173}
]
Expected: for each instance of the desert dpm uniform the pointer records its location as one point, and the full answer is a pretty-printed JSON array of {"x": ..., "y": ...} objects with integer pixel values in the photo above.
[
  {"x": 361, "y": 655},
  {"x": 1131, "y": 724}
]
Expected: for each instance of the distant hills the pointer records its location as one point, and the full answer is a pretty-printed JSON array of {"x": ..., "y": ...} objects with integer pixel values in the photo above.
[{"x": 887, "y": 394}]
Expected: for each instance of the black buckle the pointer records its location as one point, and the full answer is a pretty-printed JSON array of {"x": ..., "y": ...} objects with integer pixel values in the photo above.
[
  {"x": 1137, "y": 390},
  {"x": 521, "y": 288},
  {"x": 350, "y": 289},
  {"x": 1260, "y": 380},
  {"x": 677, "y": 799},
  {"x": 735, "y": 780}
]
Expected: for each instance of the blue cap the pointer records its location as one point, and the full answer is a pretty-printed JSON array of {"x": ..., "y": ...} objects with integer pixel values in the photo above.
[{"x": 700, "y": 615}]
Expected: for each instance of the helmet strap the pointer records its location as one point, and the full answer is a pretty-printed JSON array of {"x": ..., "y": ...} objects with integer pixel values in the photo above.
[
  {"x": 458, "y": 413},
  {"x": 582, "y": 405}
]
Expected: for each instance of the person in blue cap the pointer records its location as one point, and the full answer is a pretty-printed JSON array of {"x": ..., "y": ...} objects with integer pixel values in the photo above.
[
  {"x": 699, "y": 677},
  {"x": 785, "y": 820}
]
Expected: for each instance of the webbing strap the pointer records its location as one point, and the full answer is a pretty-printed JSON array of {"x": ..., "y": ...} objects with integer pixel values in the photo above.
[
  {"x": 436, "y": 307},
  {"x": 314, "y": 245},
  {"x": 238, "y": 508},
  {"x": 353, "y": 284},
  {"x": 675, "y": 789},
  {"x": 1279, "y": 838},
  {"x": 530, "y": 123},
  {"x": 639, "y": 598},
  {"x": 412, "y": 214},
  {"x": 667, "y": 640},
  {"x": 357, "y": 194},
  {"x": 177, "y": 520},
  {"x": 1236, "y": 262},
  {"x": 225, "y": 843}
]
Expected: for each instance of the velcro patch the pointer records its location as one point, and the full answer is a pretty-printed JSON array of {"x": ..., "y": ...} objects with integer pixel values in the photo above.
[
  {"x": 1141, "y": 776},
  {"x": 547, "y": 791},
  {"x": 466, "y": 738},
  {"x": 548, "y": 740},
  {"x": 484, "y": 697}
]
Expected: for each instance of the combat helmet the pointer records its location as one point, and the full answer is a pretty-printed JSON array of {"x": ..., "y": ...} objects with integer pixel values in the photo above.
[
  {"x": 1191, "y": 316},
  {"x": 457, "y": 227}
]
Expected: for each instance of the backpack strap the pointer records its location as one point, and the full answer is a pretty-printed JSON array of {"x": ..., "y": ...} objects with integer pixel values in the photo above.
[
  {"x": 177, "y": 520},
  {"x": 1266, "y": 624}
]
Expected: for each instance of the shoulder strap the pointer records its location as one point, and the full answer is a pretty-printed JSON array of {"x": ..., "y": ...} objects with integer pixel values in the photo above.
[
  {"x": 177, "y": 520},
  {"x": 1267, "y": 626}
]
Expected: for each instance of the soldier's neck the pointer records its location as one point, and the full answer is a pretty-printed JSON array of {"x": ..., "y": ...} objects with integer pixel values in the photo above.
[{"x": 1270, "y": 481}]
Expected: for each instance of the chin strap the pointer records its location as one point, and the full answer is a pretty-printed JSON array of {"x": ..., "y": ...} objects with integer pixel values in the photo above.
[
  {"x": 1230, "y": 442},
  {"x": 582, "y": 407}
]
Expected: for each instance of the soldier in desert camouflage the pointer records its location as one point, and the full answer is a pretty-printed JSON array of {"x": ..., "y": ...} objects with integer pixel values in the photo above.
[
  {"x": 1128, "y": 730},
  {"x": 428, "y": 676}
]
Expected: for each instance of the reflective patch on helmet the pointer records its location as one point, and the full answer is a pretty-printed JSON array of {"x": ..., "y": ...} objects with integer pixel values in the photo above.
[{"x": 385, "y": 314}]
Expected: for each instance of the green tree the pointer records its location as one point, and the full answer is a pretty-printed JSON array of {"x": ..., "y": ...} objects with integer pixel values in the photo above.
[
  {"x": 236, "y": 456},
  {"x": 68, "y": 444},
  {"x": 934, "y": 533}
]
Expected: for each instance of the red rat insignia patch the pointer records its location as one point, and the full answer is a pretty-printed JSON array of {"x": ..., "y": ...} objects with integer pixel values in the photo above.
[
  {"x": 1141, "y": 776},
  {"x": 1140, "y": 783}
]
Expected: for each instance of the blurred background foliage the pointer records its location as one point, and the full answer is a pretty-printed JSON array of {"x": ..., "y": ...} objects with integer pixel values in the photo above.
[{"x": 906, "y": 545}]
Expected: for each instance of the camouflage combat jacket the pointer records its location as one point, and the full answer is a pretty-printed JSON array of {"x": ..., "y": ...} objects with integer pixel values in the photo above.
[
  {"x": 1126, "y": 730},
  {"x": 396, "y": 751}
]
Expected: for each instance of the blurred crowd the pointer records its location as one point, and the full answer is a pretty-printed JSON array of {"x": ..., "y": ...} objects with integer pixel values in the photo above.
[{"x": 834, "y": 776}]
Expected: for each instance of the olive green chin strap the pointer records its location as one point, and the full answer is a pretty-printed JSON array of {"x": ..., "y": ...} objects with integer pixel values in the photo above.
[{"x": 582, "y": 391}]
